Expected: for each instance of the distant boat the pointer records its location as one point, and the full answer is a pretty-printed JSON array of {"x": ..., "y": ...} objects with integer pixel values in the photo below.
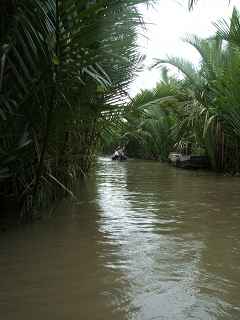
[
  {"x": 189, "y": 161},
  {"x": 121, "y": 157}
]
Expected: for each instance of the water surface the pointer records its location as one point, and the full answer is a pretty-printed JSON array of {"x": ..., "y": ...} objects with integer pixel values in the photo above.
[{"x": 144, "y": 241}]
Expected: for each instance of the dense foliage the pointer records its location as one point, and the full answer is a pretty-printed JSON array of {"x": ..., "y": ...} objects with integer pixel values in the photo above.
[
  {"x": 65, "y": 71},
  {"x": 202, "y": 107},
  {"x": 211, "y": 109},
  {"x": 65, "y": 65}
]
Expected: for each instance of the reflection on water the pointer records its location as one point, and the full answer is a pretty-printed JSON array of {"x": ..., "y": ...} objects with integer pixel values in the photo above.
[{"x": 145, "y": 241}]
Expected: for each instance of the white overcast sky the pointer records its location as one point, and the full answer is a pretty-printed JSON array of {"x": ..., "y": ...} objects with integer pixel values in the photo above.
[{"x": 169, "y": 21}]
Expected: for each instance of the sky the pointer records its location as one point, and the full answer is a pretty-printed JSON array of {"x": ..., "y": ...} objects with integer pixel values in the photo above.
[{"x": 169, "y": 21}]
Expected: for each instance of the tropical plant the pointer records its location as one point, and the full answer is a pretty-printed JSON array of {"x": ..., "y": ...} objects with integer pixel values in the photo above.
[
  {"x": 64, "y": 65},
  {"x": 201, "y": 113},
  {"x": 227, "y": 87},
  {"x": 144, "y": 124},
  {"x": 205, "y": 111}
]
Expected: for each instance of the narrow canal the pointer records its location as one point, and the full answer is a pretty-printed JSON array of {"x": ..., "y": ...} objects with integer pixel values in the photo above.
[{"x": 144, "y": 241}]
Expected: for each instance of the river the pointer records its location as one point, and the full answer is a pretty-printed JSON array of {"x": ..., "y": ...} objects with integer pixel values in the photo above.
[{"x": 144, "y": 241}]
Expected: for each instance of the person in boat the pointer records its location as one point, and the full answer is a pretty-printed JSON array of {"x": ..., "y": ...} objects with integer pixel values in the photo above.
[{"x": 116, "y": 154}]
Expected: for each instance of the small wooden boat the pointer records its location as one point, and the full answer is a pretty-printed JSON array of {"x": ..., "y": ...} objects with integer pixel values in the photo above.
[
  {"x": 189, "y": 161},
  {"x": 121, "y": 157}
]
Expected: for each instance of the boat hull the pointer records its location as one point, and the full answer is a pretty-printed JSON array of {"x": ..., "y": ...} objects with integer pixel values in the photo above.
[
  {"x": 118, "y": 158},
  {"x": 190, "y": 161}
]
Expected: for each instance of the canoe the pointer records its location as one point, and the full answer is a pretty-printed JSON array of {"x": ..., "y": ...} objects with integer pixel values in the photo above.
[
  {"x": 113, "y": 157},
  {"x": 189, "y": 162}
]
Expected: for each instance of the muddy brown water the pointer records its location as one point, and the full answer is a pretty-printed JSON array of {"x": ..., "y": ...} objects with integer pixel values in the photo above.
[{"x": 144, "y": 241}]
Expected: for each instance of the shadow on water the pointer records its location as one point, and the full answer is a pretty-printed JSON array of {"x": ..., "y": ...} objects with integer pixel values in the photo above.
[{"x": 145, "y": 241}]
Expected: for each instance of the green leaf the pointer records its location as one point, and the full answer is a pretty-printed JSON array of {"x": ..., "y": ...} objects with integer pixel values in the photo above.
[
  {"x": 55, "y": 59},
  {"x": 51, "y": 40}
]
